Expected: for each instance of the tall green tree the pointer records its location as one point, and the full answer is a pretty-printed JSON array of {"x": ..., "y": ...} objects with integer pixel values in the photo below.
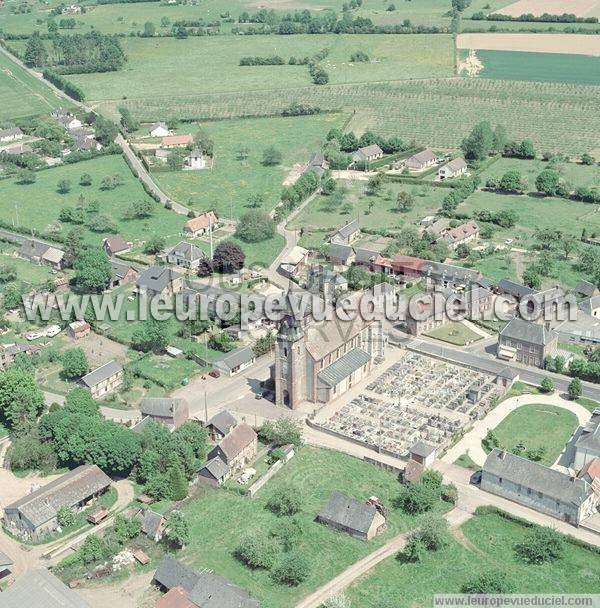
[
  {"x": 35, "y": 54},
  {"x": 478, "y": 144},
  {"x": 92, "y": 270},
  {"x": 21, "y": 399}
]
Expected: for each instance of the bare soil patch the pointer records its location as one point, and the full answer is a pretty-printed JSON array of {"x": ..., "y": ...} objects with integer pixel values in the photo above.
[
  {"x": 576, "y": 44},
  {"x": 580, "y": 8}
]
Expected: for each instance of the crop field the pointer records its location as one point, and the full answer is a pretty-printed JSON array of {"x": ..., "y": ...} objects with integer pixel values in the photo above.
[
  {"x": 556, "y": 117},
  {"x": 478, "y": 26},
  {"x": 486, "y": 542},
  {"x": 38, "y": 205},
  {"x": 227, "y": 186},
  {"x": 581, "y": 8},
  {"x": 21, "y": 94},
  {"x": 544, "y": 67},
  {"x": 212, "y": 63},
  {"x": 577, "y": 44}
]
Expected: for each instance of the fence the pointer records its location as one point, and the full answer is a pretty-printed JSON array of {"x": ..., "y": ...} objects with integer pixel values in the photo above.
[{"x": 259, "y": 483}]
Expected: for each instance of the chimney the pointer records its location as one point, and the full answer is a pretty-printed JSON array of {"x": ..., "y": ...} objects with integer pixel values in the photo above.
[{"x": 502, "y": 454}]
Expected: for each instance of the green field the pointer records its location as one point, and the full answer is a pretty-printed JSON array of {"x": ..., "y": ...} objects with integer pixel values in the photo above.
[
  {"x": 438, "y": 113},
  {"x": 212, "y": 63},
  {"x": 38, "y": 205},
  {"x": 538, "y": 426},
  {"x": 485, "y": 542},
  {"x": 316, "y": 473},
  {"x": 543, "y": 67},
  {"x": 227, "y": 186},
  {"x": 22, "y": 95},
  {"x": 454, "y": 333}
]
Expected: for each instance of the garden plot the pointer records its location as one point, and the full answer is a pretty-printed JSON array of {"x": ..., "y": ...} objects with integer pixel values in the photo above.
[{"x": 417, "y": 398}]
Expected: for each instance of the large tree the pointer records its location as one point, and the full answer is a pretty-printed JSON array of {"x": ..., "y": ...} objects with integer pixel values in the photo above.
[
  {"x": 479, "y": 142},
  {"x": 35, "y": 52},
  {"x": 152, "y": 335},
  {"x": 21, "y": 399},
  {"x": 92, "y": 270},
  {"x": 228, "y": 257},
  {"x": 547, "y": 182},
  {"x": 75, "y": 363},
  {"x": 255, "y": 226}
]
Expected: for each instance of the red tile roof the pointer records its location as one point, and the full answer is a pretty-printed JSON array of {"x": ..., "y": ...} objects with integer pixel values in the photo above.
[
  {"x": 177, "y": 140},
  {"x": 401, "y": 263},
  {"x": 175, "y": 598},
  {"x": 202, "y": 222}
]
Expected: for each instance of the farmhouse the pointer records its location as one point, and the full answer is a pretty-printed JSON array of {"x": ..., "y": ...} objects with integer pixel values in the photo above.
[
  {"x": 188, "y": 588},
  {"x": 215, "y": 472},
  {"x": 463, "y": 234},
  {"x": 195, "y": 160},
  {"x": 159, "y": 281},
  {"x": 41, "y": 589},
  {"x": 78, "y": 329},
  {"x": 538, "y": 487},
  {"x": 404, "y": 266},
  {"x": 220, "y": 425},
  {"x": 153, "y": 524},
  {"x": 526, "y": 342},
  {"x": 347, "y": 234},
  {"x": 114, "y": 245},
  {"x": 41, "y": 253},
  {"x": 185, "y": 255},
  {"x": 8, "y": 352},
  {"x": 203, "y": 224},
  {"x": 176, "y": 141},
  {"x": 294, "y": 261},
  {"x": 238, "y": 448},
  {"x": 421, "y": 160},
  {"x": 104, "y": 379},
  {"x": 360, "y": 520},
  {"x": 235, "y": 361},
  {"x": 35, "y": 515},
  {"x": 318, "y": 362},
  {"x": 170, "y": 411},
  {"x": 317, "y": 164},
  {"x": 367, "y": 154},
  {"x": 13, "y": 134},
  {"x": 591, "y": 306},
  {"x": 455, "y": 168},
  {"x": 121, "y": 273},
  {"x": 587, "y": 446},
  {"x": 340, "y": 255},
  {"x": 158, "y": 129},
  {"x": 448, "y": 275},
  {"x": 438, "y": 227}
]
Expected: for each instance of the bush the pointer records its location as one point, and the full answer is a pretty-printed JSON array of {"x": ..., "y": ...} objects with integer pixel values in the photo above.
[
  {"x": 541, "y": 545},
  {"x": 65, "y": 517},
  {"x": 547, "y": 385},
  {"x": 92, "y": 550},
  {"x": 490, "y": 582},
  {"x": 255, "y": 226},
  {"x": 257, "y": 551},
  {"x": 449, "y": 494},
  {"x": 292, "y": 570},
  {"x": 288, "y": 532},
  {"x": 416, "y": 498},
  {"x": 414, "y": 551},
  {"x": 432, "y": 532},
  {"x": 285, "y": 500},
  {"x": 432, "y": 479}
]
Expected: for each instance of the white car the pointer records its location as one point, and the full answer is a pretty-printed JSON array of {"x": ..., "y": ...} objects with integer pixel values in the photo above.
[
  {"x": 34, "y": 335},
  {"x": 51, "y": 331}
]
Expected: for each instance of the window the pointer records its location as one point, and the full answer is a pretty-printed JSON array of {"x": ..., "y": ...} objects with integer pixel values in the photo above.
[{"x": 500, "y": 480}]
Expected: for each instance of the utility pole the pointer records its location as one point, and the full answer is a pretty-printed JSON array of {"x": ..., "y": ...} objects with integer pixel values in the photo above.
[
  {"x": 205, "y": 408},
  {"x": 210, "y": 234}
]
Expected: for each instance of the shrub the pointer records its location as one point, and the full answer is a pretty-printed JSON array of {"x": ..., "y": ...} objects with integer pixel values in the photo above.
[
  {"x": 288, "y": 532},
  {"x": 257, "y": 551},
  {"x": 416, "y": 498},
  {"x": 490, "y": 582},
  {"x": 255, "y": 226},
  {"x": 293, "y": 569},
  {"x": 286, "y": 500},
  {"x": 449, "y": 494},
  {"x": 432, "y": 479},
  {"x": 65, "y": 517},
  {"x": 541, "y": 545}
]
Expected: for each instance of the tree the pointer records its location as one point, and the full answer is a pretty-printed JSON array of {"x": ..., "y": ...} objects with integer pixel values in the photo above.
[
  {"x": 288, "y": 532},
  {"x": 151, "y": 335},
  {"x": 416, "y": 498},
  {"x": 155, "y": 244},
  {"x": 228, "y": 257},
  {"x": 286, "y": 500},
  {"x": 282, "y": 431},
  {"x": 526, "y": 149},
  {"x": 92, "y": 550},
  {"x": 8, "y": 273},
  {"x": 255, "y": 226},
  {"x": 26, "y": 176},
  {"x": 433, "y": 531},
  {"x": 256, "y": 201},
  {"x": 432, "y": 479},
  {"x": 547, "y": 182},
  {"x": 149, "y": 29},
  {"x": 65, "y": 517},
  {"x": 75, "y": 363},
  {"x": 178, "y": 529},
  {"x": 292, "y": 570},
  {"x": 63, "y": 186},
  {"x": 349, "y": 142},
  {"x": 568, "y": 244},
  {"x": 73, "y": 246},
  {"x": 35, "y": 52},
  {"x": 92, "y": 270},
  {"x": 205, "y": 267},
  {"x": 105, "y": 130},
  {"x": 257, "y": 551},
  {"x": 477, "y": 145},
  {"x": 547, "y": 385},
  {"x": 374, "y": 185},
  {"x": 85, "y": 180},
  {"x": 575, "y": 388},
  {"x": 203, "y": 141},
  {"x": 488, "y": 582},
  {"x": 541, "y": 545},
  {"x": 80, "y": 401},
  {"x": 512, "y": 181},
  {"x": 221, "y": 341},
  {"x": 21, "y": 400},
  {"x": 500, "y": 139},
  {"x": 128, "y": 122},
  {"x": 271, "y": 156},
  {"x": 532, "y": 277},
  {"x": 587, "y": 159},
  {"x": 405, "y": 201},
  {"x": 179, "y": 485},
  {"x": 141, "y": 209},
  {"x": 414, "y": 551},
  {"x": 11, "y": 296}
]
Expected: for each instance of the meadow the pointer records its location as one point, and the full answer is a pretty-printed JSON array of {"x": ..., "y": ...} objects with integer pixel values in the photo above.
[
  {"x": 23, "y": 95},
  {"x": 437, "y": 112},
  {"x": 212, "y": 63},
  {"x": 538, "y": 426},
  {"x": 543, "y": 67},
  {"x": 484, "y": 542},
  {"x": 316, "y": 473}
]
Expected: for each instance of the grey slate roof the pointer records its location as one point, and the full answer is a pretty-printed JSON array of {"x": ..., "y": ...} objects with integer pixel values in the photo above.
[
  {"x": 340, "y": 251},
  {"x": 344, "y": 366},
  {"x": 102, "y": 373},
  {"x": 119, "y": 269},
  {"x": 212, "y": 591},
  {"x": 365, "y": 152},
  {"x": 590, "y": 304},
  {"x": 365, "y": 255},
  {"x": 216, "y": 467},
  {"x": 10, "y": 132},
  {"x": 422, "y": 449},
  {"x": 233, "y": 444},
  {"x": 237, "y": 357},
  {"x": 164, "y": 407},
  {"x": 348, "y": 229},
  {"x": 172, "y": 573},
  {"x": 40, "y": 589},
  {"x": 527, "y": 331},
  {"x": 448, "y": 272},
  {"x": 514, "y": 289},
  {"x": 421, "y": 157},
  {"x": 150, "y": 520},
  {"x": 537, "y": 477},
  {"x": 590, "y": 434},
  {"x": 585, "y": 288},
  {"x": 157, "y": 278},
  {"x": 5, "y": 561},
  {"x": 187, "y": 251},
  {"x": 42, "y": 505},
  {"x": 223, "y": 422},
  {"x": 456, "y": 164},
  {"x": 348, "y": 512}
]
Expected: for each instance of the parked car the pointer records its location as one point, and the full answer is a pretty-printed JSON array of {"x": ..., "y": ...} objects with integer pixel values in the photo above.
[
  {"x": 34, "y": 335},
  {"x": 476, "y": 478},
  {"x": 52, "y": 330},
  {"x": 215, "y": 373}
]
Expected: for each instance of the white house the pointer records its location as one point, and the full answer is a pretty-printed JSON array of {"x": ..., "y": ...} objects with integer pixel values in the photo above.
[
  {"x": 158, "y": 129},
  {"x": 195, "y": 160},
  {"x": 13, "y": 134},
  {"x": 455, "y": 168}
]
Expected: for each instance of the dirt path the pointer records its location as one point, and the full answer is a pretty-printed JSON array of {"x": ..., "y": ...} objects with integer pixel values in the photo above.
[{"x": 135, "y": 592}]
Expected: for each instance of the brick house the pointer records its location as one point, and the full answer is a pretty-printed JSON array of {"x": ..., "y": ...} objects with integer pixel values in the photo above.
[
  {"x": 237, "y": 449},
  {"x": 526, "y": 342}
]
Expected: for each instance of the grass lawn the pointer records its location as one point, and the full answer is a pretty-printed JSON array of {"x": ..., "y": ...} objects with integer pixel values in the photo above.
[
  {"x": 28, "y": 274},
  {"x": 315, "y": 473},
  {"x": 465, "y": 461},
  {"x": 489, "y": 544},
  {"x": 392, "y": 58},
  {"x": 537, "y": 426},
  {"x": 38, "y": 205},
  {"x": 454, "y": 333},
  {"x": 497, "y": 267},
  {"x": 590, "y": 404},
  {"x": 22, "y": 95},
  {"x": 227, "y": 186}
]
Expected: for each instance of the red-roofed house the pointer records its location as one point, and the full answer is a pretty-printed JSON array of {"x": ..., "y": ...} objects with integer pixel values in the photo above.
[
  {"x": 464, "y": 233},
  {"x": 590, "y": 471},
  {"x": 203, "y": 224},
  {"x": 114, "y": 245},
  {"x": 408, "y": 266},
  {"x": 177, "y": 597},
  {"x": 175, "y": 141}
]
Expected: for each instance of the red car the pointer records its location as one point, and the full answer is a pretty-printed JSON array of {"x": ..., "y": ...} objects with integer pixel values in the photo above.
[{"x": 214, "y": 373}]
